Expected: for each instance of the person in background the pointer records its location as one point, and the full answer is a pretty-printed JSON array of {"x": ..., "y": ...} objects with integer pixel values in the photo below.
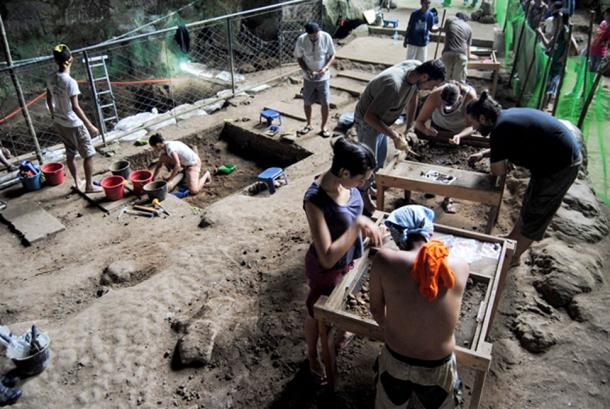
[
  {"x": 558, "y": 53},
  {"x": 73, "y": 126},
  {"x": 417, "y": 36},
  {"x": 599, "y": 45},
  {"x": 458, "y": 38},
  {"x": 538, "y": 142},
  {"x": 176, "y": 156},
  {"x": 315, "y": 52},
  {"x": 416, "y": 296},
  {"x": 5, "y": 155},
  {"x": 445, "y": 109}
]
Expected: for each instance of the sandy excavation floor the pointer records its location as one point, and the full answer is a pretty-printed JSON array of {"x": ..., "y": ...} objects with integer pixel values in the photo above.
[{"x": 227, "y": 278}]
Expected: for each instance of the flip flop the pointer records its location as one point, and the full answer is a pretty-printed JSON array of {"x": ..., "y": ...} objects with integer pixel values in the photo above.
[
  {"x": 305, "y": 130},
  {"x": 324, "y": 134},
  {"x": 8, "y": 396}
]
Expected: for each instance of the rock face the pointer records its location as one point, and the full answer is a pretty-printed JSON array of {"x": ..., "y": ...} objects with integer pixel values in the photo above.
[
  {"x": 564, "y": 271},
  {"x": 534, "y": 333}
]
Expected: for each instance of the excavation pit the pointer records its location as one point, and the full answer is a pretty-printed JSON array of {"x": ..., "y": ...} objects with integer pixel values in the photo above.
[{"x": 250, "y": 152}]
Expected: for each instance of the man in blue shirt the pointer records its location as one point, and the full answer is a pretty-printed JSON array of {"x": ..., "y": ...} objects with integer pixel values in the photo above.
[{"x": 417, "y": 36}]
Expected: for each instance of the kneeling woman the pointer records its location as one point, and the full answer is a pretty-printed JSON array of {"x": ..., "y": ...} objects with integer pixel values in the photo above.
[{"x": 334, "y": 212}]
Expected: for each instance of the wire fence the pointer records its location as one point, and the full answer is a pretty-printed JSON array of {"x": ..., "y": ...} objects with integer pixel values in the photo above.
[{"x": 161, "y": 76}]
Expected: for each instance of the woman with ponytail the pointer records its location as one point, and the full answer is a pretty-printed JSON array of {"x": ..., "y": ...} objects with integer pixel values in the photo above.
[
  {"x": 69, "y": 120},
  {"x": 538, "y": 142},
  {"x": 333, "y": 206}
]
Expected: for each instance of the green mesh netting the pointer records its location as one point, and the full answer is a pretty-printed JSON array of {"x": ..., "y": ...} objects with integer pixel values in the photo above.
[{"x": 596, "y": 127}]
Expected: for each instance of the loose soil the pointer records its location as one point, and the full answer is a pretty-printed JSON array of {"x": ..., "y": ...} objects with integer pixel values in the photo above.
[{"x": 243, "y": 271}]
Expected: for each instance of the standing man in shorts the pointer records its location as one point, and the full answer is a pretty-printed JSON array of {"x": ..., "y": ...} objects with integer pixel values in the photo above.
[
  {"x": 416, "y": 295},
  {"x": 70, "y": 121},
  {"x": 177, "y": 157},
  {"x": 315, "y": 52}
]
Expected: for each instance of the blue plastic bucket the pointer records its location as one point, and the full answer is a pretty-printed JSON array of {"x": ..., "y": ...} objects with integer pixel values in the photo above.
[{"x": 31, "y": 183}]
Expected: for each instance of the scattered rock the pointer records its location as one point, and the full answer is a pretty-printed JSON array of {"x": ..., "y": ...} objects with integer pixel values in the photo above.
[
  {"x": 195, "y": 348},
  {"x": 118, "y": 272},
  {"x": 533, "y": 333}
]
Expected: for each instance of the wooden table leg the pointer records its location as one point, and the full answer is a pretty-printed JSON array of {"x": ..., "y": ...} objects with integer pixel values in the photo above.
[
  {"x": 492, "y": 218},
  {"x": 477, "y": 389},
  {"x": 380, "y": 197},
  {"x": 327, "y": 354}
]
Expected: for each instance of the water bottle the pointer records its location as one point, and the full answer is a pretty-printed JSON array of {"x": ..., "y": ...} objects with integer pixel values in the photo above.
[{"x": 395, "y": 37}]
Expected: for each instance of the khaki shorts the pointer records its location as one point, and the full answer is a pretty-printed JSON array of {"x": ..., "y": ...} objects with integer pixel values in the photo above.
[
  {"x": 431, "y": 384},
  {"x": 75, "y": 140}
]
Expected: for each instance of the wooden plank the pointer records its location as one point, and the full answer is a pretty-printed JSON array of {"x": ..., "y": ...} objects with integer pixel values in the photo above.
[
  {"x": 357, "y": 75},
  {"x": 30, "y": 222},
  {"x": 290, "y": 110},
  {"x": 353, "y": 87},
  {"x": 468, "y": 185},
  {"x": 367, "y": 328}
]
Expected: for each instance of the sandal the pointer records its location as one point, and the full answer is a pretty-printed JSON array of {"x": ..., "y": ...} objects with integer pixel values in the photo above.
[
  {"x": 8, "y": 396},
  {"x": 324, "y": 133},
  {"x": 305, "y": 130}
]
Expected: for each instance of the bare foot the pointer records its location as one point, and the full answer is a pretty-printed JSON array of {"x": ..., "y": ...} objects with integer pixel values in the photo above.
[
  {"x": 93, "y": 189},
  {"x": 207, "y": 178}
]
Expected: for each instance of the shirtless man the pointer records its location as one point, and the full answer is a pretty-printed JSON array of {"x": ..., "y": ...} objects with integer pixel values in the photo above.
[{"x": 416, "y": 293}]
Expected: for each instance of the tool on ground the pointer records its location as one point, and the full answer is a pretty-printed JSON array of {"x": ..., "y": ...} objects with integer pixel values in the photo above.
[
  {"x": 156, "y": 203},
  {"x": 151, "y": 210},
  {"x": 126, "y": 210},
  {"x": 88, "y": 199}
]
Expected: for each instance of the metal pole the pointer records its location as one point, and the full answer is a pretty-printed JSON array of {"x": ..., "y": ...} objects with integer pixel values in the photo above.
[
  {"x": 563, "y": 68},
  {"x": 22, "y": 103},
  {"x": 585, "y": 108},
  {"x": 438, "y": 36},
  {"x": 231, "y": 61},
  {"x": 591, "y": 17},
  {"x": 96, "y": 103},
  {"x": 512, "y": 71},
  {"x": 549, "y": 61}
]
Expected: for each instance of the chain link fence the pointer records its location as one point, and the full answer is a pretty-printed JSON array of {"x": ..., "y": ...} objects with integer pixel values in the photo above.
[{"x": 159, "y": 77}]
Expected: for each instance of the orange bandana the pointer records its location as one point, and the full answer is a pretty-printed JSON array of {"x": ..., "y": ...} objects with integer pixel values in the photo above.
[{"x": 430, "y": 265}]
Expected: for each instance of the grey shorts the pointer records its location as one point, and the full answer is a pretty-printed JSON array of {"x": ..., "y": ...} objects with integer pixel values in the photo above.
[
  {"x": 316, "y": 92},
  {"x": 542, "y": 199},
  {"x": 76, "y": 140},
  {"x": 432, "y": 384}
]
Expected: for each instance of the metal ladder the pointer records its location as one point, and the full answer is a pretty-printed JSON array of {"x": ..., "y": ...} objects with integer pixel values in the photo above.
[{"x": 102, "y": 90}]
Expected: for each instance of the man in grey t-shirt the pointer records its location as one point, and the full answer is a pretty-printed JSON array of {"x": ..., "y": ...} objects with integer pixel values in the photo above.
[
  {"x": 458, "y": 38},
  {"x": 385, "y": 98}
]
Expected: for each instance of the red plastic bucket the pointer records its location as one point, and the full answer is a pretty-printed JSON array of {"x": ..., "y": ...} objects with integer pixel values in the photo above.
[
  {"x": 138, "y": 179},
  {"x": 113, "y": 187},
  {"x": 53, "y": 173}
]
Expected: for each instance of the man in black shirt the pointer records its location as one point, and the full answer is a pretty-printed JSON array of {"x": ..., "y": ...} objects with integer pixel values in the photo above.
[{"x": 538, "y": 142}]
